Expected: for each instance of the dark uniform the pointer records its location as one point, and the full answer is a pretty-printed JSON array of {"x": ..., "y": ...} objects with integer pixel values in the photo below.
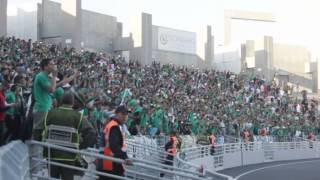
[
  {"x": 65, "y": 116},
  {"x": 115, "y": 147}
]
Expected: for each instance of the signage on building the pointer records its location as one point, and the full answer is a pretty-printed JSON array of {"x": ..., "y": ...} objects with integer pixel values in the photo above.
[{"x": 176, "y": 41}]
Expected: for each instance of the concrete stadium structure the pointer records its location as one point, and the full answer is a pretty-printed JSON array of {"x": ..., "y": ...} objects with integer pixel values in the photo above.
[
  {"x": 286, "y": 63},
  {"x": 229, "y": 15},
  {"x": 63, "y": 23},
  {"x": 23, "y": 25},
  {"x": 3, "y": 17},
  {"x": 155, "y": 40},
  {"x": 67, "y": 23},
  {"x": 269, "y": 59}
]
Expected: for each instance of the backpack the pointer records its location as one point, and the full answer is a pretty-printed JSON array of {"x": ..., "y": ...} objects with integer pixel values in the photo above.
[{"x": 27, "y": 123}]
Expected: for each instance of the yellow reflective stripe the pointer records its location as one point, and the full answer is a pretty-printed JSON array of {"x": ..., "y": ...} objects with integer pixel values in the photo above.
[
  {"x": 45, "y": 127},
  {"x": 45, "y": 119},
  {"x": 65, "y": 108},
  {"x": 81, "y": 116},
  {"x": 78, "y": 134}
]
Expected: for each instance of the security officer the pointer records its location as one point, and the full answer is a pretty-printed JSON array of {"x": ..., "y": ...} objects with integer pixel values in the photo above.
[
  {"x": 114, "y": 143},
  {"x": 65, "y": 126}
]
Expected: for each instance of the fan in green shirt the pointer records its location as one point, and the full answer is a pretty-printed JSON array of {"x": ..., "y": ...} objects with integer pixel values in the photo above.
[
  {"x": 41, "y": 94},
  {"x": 10, "y": 98},
  {"x": 145, "y": 119},
  {"x": 165, "y": 122},
  {"x": 156, "y": 118}
]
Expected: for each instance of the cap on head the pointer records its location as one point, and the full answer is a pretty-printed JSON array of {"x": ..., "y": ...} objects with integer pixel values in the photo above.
[{"x": 122, "y": 109}]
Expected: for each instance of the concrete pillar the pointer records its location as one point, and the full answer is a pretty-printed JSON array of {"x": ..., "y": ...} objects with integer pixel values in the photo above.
[
  {"x": 268, "y": 48},
  {"x": 146, "y": 50},
  {"x": 243, "y": 58},
  {"x": 72, "y": 21},
  {"x": 3, "y": 17},
  {"x": 209, "y": 50},
  {"x": 39, "y": 20},
  {"x": 249, "y": 56},
  {"x": 227, "y": 30},
  {"x": 250, "y": 48},
  {"x": 119, "y": 29}
]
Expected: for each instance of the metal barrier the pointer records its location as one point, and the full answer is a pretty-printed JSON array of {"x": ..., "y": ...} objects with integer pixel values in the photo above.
[
  {"x": 240, "y": 154},
  {"x": 194, "y": 163},
  {"x": 142, "y": 169},
  {"x": 146, "y": 152},
  {"x": 14, "y": 161},
  {"x": 231, "y": 139}
]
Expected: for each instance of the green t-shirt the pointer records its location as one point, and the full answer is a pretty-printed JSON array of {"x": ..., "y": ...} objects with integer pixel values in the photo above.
[
  {"x": 156, "y": 119},
  {"x": 10, "y": 98},
  {"x": 97, "y": 115},
  {"x": 165, "y": 122},
  {"x": 41, "y": 94},
  {"x": 144, "y": 120}
]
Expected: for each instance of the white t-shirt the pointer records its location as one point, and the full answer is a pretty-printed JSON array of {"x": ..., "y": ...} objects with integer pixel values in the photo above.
[{"x": 298, "y": 108}]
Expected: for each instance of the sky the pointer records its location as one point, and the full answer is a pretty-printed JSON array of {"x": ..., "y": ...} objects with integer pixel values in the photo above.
[{"x": 296, "y": 20}]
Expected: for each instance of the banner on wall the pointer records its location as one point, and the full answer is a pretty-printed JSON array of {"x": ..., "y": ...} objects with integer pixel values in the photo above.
[{"x": 176, "y": 41}]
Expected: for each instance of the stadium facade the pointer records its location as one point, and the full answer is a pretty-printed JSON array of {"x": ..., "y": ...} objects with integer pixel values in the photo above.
[
  {"x": 3, "y": 17},
  {"x": 68, "y": 24}
]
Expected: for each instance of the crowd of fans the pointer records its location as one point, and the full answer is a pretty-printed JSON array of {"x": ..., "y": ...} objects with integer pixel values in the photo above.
[{"x": 161, "y": 98}]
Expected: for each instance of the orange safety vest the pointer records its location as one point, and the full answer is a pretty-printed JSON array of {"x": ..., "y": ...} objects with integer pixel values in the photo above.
[
  {"x": 212, "y": 139},
  {"x": 173, "y": 150},
  {"x": 107, "y": 164}
]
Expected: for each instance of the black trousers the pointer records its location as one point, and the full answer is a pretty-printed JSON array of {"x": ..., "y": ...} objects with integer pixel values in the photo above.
[
  {"x": 61, "y": 173},
  {"x": 2, "y": 131},
  {"x": 13, "y": 125},
  {"x": 212, "y": 150}
]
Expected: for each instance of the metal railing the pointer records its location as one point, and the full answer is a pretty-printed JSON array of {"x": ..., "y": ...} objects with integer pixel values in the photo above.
[
  {"x": 142, "y": 169},
  {"x": 147, "y": 152},
  {"x": 240, "y": 154}
]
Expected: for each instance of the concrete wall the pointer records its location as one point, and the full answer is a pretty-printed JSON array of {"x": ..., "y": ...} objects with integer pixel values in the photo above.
[
  {"x": 98, "y": 31},
  {"x": 3, "y": 17},
  {"x": 243, "y": 15},
  {"x": 166, "y": 57},
  {"x": 284, "y": 62},
  {"x": 49, "y": 20},
  {"x": 120, "y": 44},
  {"x": 23, "y": 25},
  {"x": 291, "y": 58},
  {"x": 71, "y": 27},
  {"x": 86, "y": 29},
  {"x": 136, "y": 54},
  {"x": 228, "y": 61}
]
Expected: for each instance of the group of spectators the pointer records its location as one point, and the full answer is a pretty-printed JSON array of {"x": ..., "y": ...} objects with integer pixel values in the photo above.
[{"x": 161, "y": 98}]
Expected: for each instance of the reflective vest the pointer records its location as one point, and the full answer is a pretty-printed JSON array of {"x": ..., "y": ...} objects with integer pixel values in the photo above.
[
  {"x": 68, "y": 122},
  {"x": 173, "y": 150},
  {"x": 107, "y": 164},
  {"x": 212, "y": 139}
]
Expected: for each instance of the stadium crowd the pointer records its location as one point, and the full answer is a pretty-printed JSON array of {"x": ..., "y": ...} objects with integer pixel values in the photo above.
[{"x": 161, "y": 98}]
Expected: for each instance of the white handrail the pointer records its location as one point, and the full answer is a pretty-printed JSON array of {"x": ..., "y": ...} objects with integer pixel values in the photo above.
[
  {"x": 237, "y": 154},
  {"x": 149, "y": 166}
]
